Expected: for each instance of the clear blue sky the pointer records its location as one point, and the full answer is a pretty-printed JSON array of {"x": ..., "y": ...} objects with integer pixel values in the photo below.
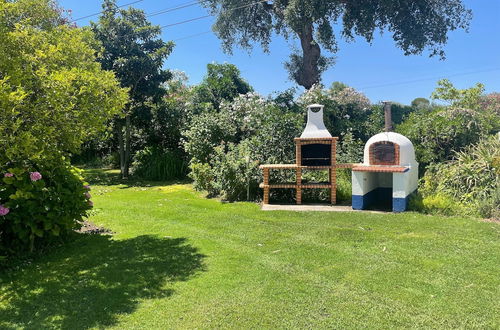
[{"x": 380, "y": 70}]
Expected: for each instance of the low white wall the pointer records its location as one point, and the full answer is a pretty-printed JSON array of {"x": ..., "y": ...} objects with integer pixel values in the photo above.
[
  {"x": 363, "y": 182},
  {"x": 405, "y": 183}
]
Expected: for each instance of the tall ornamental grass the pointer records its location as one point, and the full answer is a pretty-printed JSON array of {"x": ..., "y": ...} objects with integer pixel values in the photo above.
[
  {"x": 158, "y": 165},
  {"x": 470, "y": 183}
]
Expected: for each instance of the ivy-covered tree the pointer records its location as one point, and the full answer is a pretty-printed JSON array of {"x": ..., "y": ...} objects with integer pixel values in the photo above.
[
  {"x": 415, "y": 25},
  {"x": 134, "y": 51}
]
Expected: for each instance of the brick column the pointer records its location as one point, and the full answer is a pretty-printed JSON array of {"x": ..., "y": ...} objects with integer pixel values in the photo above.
[
  {"x": 298, "y": 153},
  {"x": 298, "y": 187},
  {"x": 266, "y": 186},
  {"x": 333, "y": 174},
  {"x": 333, "y": 182}
]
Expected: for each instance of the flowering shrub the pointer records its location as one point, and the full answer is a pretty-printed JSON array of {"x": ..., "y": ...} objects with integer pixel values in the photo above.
[
  {"x": 40, "y": 204},
  {"x": 227, "y": 147},
  {"x": 345, "y": 108}
]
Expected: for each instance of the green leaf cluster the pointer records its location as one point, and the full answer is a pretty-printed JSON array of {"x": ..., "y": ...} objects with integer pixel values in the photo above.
[
  {"x": 53, "y": 93},
  {"x": 42, "y": 209}
]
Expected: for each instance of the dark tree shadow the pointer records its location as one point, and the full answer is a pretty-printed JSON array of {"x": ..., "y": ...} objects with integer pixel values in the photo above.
[
  {"x": 105, "y": 177},
  {"x": 94, "y": 279}
]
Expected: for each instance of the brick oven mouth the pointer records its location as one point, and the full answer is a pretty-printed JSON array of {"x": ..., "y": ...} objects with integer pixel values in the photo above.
[{"x": 384, "y": 153}]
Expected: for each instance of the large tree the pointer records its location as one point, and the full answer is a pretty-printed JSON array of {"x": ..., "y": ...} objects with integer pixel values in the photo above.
[
  {"x": 134, "y": 51},
  {"x": 54, "y": 95},
  {"x": 222, "y": 82},
  {"x": 415, "y": 25}
]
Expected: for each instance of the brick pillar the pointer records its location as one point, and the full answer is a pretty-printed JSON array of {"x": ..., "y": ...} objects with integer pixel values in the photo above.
[
  {"x": 298, "y": 187},
  {"x": 333, "y": 174},
  {"x": 266, "y": 186},
  {"x": 298, "y": 153},
  {"x": 333, "y": 182}
]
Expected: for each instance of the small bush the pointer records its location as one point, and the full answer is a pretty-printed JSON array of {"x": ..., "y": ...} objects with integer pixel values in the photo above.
[
  {"x": 38, "y": 203},
  {"x": 158, "y": 165},
  {"x": 344, "y": 185},
  {"x": 436, "y": 204},
  {"x": 235, "y": 174}
]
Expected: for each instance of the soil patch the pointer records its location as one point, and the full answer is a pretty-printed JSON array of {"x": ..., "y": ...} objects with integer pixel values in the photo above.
[{"x": 89, "y": 227}]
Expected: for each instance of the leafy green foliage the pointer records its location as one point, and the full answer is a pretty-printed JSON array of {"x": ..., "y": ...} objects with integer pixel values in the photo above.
[
  {"x": 207, "y": 130},
  {"x": 420, "y": 103},
  {"x": 50, "y": 84},
  {"x": 47, "y": 207},
  {"x": 415, "y": 25},
  {"x": 170, "y": 115},
  {"x": 227, "y": 147},
  {"x": 463, "y": 98},
  {"x": 53, "y": 96},
  {"x": 345, "y": 108},
  {"x": 157, "y": 165},
  {"x": 350, "y": 149},
  {"x": 133, "y": 50},
  {"x": 439, "y": 132},
  {"x": 487, "y": 106},
  {"x": 234, "y": 175},
  {"x": 471, "y": 179},
  {"x": 222, "y": 82}
]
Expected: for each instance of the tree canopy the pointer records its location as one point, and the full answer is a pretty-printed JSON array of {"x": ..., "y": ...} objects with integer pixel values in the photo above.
[
  {"x": 134, "y": 51},
  {"x": 415, "y": 25},
  {"x": 222, "y": 82},
  {"x": 53, "y": 93}
]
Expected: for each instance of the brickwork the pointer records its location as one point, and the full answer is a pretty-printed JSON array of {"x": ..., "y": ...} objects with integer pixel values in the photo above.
[
  {"x": 298, "y": 185},
  {"x": 266, "y": 186},
  {"x": 380, "y": 168},
  {"x": 388, "y": 152}
]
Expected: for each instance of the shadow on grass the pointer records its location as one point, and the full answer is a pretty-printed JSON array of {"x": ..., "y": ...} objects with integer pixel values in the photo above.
[
  {"x": 108, "y": 177},
  {"x": 95, "y": 279}
]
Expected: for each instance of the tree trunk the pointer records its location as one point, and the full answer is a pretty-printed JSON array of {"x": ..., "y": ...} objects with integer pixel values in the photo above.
[
  {"x": 127, "y": 147},
  {"x": 121, "y": 149},
  {"x": 308, "y": 74}
]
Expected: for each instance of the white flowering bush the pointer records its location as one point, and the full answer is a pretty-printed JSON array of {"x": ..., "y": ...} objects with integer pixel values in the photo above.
[
  {"x": 345, "y": 108},
  {"x": 227, "y": 147}
]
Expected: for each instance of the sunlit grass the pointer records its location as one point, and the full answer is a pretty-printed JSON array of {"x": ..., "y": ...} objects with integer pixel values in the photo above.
[{"x": 178, "y": 260}]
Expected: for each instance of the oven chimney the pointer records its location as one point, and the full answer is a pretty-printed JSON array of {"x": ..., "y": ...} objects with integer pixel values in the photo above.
[{"x": 387, "y": 116}]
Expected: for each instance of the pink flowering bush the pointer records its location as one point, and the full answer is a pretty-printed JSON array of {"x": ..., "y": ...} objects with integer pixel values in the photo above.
[
  {"x": 37, "y": 205},
  {"x": 35, "y": 176},
  {"x": 4, "y": 210}
]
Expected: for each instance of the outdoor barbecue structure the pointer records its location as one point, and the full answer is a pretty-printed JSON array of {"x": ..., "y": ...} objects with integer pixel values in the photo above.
[
  {"x": 389, "y": 172},
  {"x": 315, "y": 149}
]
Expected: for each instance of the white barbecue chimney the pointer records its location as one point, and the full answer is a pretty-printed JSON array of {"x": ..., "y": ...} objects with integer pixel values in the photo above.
[{"x": 315, "y": 127}]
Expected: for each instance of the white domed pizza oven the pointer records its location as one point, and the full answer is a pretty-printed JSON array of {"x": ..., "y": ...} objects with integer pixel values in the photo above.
[{"x": 389, "y": 173}]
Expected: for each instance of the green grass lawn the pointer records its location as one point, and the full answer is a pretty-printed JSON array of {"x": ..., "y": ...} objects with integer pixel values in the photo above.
[{"x": 178, "y": 260}]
